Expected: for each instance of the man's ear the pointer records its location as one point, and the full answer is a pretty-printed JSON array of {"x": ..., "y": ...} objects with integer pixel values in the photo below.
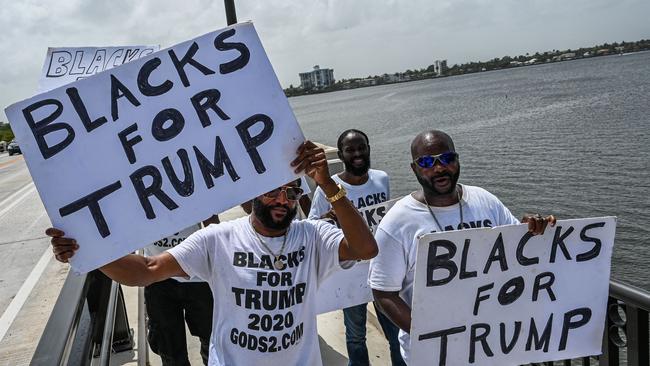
[
  {"x": 413, "y": 168},
  {"x": 339, "y": 153}
]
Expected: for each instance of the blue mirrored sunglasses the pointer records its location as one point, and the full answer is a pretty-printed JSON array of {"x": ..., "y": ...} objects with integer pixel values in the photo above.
[{"x": 428, "y": 161}]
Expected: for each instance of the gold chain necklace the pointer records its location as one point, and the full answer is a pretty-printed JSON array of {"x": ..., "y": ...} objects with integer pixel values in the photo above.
[
  {"x": 460, "y": 207},
  {"x": 278, "y": 263}
]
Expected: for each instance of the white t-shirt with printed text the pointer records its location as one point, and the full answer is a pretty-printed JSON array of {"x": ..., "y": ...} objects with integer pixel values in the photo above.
[
  {"x": 374, "y": 191},
  {"x": 262, "y": 315},
  {"x": 400, "y": 230}
]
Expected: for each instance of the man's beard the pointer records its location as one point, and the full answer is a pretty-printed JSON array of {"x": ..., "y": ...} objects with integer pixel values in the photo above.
[
  {"x": 429, "y": 187},
  {"x": 263, "y": 213},
  {"x": 358, "y": 171}
]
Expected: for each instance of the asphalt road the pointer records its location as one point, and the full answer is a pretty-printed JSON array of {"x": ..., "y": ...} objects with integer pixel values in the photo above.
[
  {"x": 29, "y": 279},
  {"x": 22, "y": 224}
]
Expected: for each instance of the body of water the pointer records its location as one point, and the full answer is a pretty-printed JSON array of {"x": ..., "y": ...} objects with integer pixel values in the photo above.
[{"x": 569, "y": 138}]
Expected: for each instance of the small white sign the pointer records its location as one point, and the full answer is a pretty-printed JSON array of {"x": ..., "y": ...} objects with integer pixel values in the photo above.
[
  {"x": 499, "y": 296},
  {"x": 128, "y": 156},
  {"x": 168, "y": 242},
  {"x": 349, "y": 287},
  {"x": 64, "y": 65}
]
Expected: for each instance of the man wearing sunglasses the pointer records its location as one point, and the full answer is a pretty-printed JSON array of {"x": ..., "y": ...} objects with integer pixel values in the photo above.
[
  {"x": 304, "y": 202},
  {"x": 365, "y": 187},
  {"x": 263, "y": 269},
  {"x": 441, "y": 205}
]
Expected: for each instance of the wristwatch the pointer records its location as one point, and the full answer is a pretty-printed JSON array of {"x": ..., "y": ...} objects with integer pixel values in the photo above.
[{"x": 340, "y": 194}]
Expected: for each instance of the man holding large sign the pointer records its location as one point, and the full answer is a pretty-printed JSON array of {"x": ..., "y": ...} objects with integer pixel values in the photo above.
[
  {"x": 501, "y": 296},
  {"x": 263, "y": 269},
  {"x": 366, "y": 188},
  {"x": 173, "y": 303},
  {"x": 441, "y": 205},
  {"x": 143, "y": 150}
]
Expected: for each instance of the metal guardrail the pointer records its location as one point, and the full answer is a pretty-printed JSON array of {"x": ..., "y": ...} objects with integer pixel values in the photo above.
[
  {"x": 109, "y": 324},
  {"x": 89, "y": 311},
  {"x": 63, "y": 323},
  {"x": 627, "y": 331}
]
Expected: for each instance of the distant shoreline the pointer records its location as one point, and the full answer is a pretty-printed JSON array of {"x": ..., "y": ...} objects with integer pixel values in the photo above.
[{"x": 456, "y": 70}]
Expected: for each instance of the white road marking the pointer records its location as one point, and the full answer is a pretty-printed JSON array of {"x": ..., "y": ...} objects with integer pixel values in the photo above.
[
  {"x": 19, "y": 300},
  {"x": 19, "y": 191},
  {"x": 25, "y": 290},
  {"x": 12, "y": 177},
  {"x": 10, "y": 202}
]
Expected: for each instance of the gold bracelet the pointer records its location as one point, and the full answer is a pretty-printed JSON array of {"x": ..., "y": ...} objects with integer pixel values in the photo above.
[{"x": 340, "y": 194}]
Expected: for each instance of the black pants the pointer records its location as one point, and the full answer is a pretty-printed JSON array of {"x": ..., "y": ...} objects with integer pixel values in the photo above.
[{"x": 169, "y": 305}]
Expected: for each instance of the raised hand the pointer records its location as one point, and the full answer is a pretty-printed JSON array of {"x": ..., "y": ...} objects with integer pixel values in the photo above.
[
  {"x": 537, "y": 223},
  {"x": 63, "y": 248},
  {"x": 312, "y": 160}
]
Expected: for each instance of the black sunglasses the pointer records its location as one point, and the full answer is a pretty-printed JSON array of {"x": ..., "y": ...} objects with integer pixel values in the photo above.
[
  {"x": 292, "y": 193},
  {"x": 428, "y": 161}
]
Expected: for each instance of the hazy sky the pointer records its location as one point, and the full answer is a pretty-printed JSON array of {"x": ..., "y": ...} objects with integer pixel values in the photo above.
[{"x": 354, "y": 37}]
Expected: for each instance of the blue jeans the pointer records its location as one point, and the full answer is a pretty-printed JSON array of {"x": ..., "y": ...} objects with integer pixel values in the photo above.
[
  {"x": 391, "y": 331},
  {"x": 354, "y": 319}
]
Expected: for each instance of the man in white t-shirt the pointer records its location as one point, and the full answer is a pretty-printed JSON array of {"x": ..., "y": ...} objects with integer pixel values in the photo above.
[
  {"x": 365, "y": 187},
  {"x": 263, "y": 269},
  {"x": 441, "y": 205}
]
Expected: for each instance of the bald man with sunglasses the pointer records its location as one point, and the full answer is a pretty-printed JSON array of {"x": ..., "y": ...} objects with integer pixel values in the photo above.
[
  {"x": 263, "y": 269},
  {"x": 441, "y": 205}
]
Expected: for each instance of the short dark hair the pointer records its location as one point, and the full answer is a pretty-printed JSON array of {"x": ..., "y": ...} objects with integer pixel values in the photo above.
[
  {"x": 425, "y": 137},
  {"x": 339, "y": 142}
]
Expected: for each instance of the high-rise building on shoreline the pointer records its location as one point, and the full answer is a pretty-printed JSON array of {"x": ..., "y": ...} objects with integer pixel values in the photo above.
[
  {"x": 440, "y": 67},
  {"x": 317, "y": 78}
]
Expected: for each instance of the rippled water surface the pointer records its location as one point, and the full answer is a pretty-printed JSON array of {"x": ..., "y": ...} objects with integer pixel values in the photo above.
[{"x": 569, "y": 138}]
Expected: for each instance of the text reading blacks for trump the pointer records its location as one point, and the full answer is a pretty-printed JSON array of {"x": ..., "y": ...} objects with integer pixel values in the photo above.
[
  {"x": 548, "y": 331},
  {"x": 271, "y": 322},
  {"x": 53, "y": 136},
  {"x": 371, "y": 209}
]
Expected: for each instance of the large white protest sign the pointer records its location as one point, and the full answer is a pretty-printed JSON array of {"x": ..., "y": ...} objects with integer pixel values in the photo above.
[
  {"x": 501, "y": 296},
  {"x": 64, "y": 65},
  {"x": 349, "y": 287},
  {"x": 136, "y": 153}
]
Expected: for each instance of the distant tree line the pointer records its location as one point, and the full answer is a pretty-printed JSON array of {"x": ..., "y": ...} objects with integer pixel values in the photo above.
[
  {"x": 504, "y": 62},
  {"x": 6, "y": 134}
]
